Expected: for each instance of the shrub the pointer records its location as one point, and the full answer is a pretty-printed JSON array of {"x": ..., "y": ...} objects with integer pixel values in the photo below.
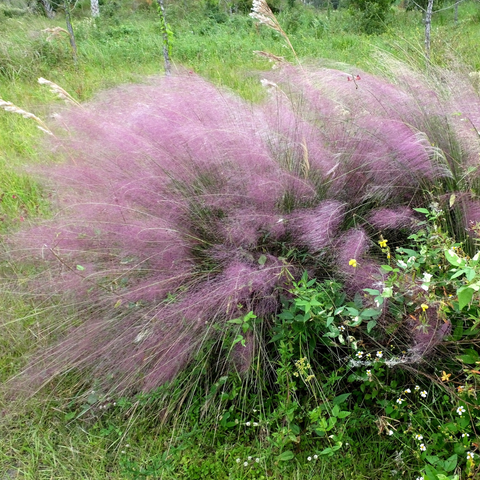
[
  {"x": 372, "y": 16},
  {"x": 184, "y": 208}
]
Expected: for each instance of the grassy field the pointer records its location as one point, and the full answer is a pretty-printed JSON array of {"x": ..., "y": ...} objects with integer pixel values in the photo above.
[{"x": 66, "y": 432}]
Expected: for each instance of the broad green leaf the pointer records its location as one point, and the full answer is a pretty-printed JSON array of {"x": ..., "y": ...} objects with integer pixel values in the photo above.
[
  {"x": 458, "y": 332},
  {"x": 370, "y": 313},
  {"x": 453, "y": 258},
  {"x": 331, "y": 423},
  {"x": 470, "y": 357},
  {"x": 343, "y": 414},
  {"x": 458, "y": 273},
  {"x": 370, "y": 325},
  {"x": 340, "y": 398},
  {"x": 327, "y": 451},
  {"x": 79, "y": 267},
  {"x": 450, "y": 463},
  {"x": 430, "y": 473},
  {"x": 465, "y": 295},
  {"x": 237, "y": 321},
  {"x": 262, "y": 259},
  {"x": 470, "y": 274},
  {"x": 285, "y": 456},
  {"x": 422, "y": 210}
]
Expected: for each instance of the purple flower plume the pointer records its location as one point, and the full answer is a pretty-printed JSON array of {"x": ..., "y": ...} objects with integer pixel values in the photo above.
[{"x": 178, "y": 206}]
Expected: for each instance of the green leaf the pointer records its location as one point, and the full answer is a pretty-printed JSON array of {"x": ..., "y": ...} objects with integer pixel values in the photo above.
[
  {"x": 335, "y": 410},
  {"x": 450, "y": 463},
  {"x": 465, "y": 295},
  {"x": 409, "y": 252},
  {"x": 430, "y": 473},
  {"x": 370, "y": 325},
  {"x": 277, "y": 337},
  {"x": 262, "y": 259},
  {"x": 69, "y": 416},
  {"x": 285, "y": 456},
  {"x": 471, "y": 357},
  {"x": 343, "y": 414},
  {"x": 79, "y": 267},
  {"x": 340, "y": 398},
  {"x": 453, "y": 258},
  {"x": 327, "y": 451},
  {"x": 370, "y": 312},
  {"x": 286, "y": 315},
  {"x": 331, "y": 423},
  {"x": 237, "y": 321},
  {"x": 470, "y": 274},
  {"x": 422, "y": 210},
  {"x": 458, "y": 273},
  {"x": 458, "y": 332},
  {"x": 433, "y": 459}
]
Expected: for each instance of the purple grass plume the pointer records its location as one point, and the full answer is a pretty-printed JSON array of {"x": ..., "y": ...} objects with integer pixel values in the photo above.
[{"x": 178, "y": 205}]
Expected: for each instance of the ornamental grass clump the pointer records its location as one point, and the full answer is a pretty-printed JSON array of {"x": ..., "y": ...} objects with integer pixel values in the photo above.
[{"x": 182, "y": 209}]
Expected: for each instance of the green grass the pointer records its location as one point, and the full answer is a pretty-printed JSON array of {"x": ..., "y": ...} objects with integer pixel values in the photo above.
[{"x": 49, "y": 437}]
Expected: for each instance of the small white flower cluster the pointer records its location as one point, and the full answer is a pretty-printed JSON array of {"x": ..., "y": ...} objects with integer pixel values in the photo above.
[
  {"x": 427, "y": 277},
  {"x": 461, "y": 410},
  {"x": 246, "y": 462},
  {"x": 470, "y": 456},
  {"x": 124, "y": 451},
  {"x": 315, "y": 457},
  {"x": 252, "y": 424},
  {"x": 408, "y": 264}
]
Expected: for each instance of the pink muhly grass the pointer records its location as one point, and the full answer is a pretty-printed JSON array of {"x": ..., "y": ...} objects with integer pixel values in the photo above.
[
  {"x": 180, "y": 203},
  {"x": 391, "y": 218},
  {"x": 365, "y": 273},
  {"x": 317, "y": 228}
]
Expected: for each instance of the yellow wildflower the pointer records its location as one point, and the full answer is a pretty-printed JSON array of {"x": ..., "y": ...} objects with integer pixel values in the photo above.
[
  {"x": 353, "y": 263},
  {"x": 424, "y": 306},
  {"x": 446, "y": 376},
  {"x": 383, "y": 243}
]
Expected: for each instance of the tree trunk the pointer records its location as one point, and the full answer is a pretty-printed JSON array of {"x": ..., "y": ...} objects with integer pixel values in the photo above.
[
  {"x": 428, "y": 27},
  {"x": 166, "y": 44},
  {"x": 48, "y": 9},
  {"x": 73, "y": 44},
  {"x": 95, "y": 8}
]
